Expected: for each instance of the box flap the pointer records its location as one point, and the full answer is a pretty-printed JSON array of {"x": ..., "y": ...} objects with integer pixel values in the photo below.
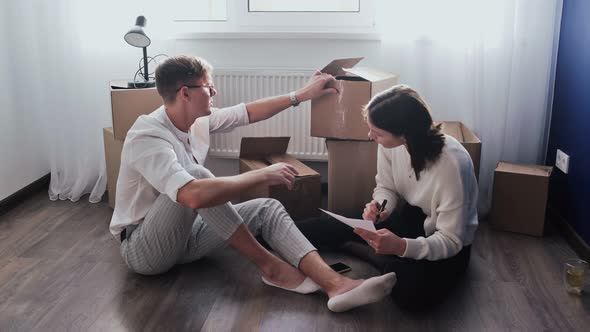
[
  {"x": 252, "y": 164},
  {"x": 119, "y": 84},
  {"x": 468, "y": 135},
  {"x": 124, "y": 85},
  {"x": 301, "y": 168},
  {"x": 108, "y": 131},
  {"x": 459, "y": 131},
  {"x": 535, "y": 170},
  {"x": 372, "y": 75},
  {"x": 335, "y": 67},
  {"x": 260, "y": 147},
  {"x": 453, "y": 128}
]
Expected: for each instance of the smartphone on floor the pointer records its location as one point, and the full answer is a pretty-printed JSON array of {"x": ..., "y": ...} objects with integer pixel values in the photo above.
[{"x": 340, "y": 267}]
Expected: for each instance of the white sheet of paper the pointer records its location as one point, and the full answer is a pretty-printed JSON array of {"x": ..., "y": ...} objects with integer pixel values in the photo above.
[{"x": 360, "y": 223}]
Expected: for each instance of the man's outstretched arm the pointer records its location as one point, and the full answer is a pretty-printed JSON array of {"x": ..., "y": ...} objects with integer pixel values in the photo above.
[
  {"x": 203, "y": 193},
  {"x": 263, "y": 109}
]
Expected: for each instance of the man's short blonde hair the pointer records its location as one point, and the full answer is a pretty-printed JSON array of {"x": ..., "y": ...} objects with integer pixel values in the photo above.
[{"x": 178, "y": 71}]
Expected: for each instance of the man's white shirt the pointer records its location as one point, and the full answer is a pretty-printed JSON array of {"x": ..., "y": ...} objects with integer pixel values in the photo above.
[{"x": 156, "y": 156}]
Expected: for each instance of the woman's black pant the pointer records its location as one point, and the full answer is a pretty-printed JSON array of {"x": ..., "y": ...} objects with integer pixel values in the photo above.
[{"x": 421, "y": 284}]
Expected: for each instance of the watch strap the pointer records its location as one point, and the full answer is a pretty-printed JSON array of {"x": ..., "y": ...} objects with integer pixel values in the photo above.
[{"x": 293, "y": 98}]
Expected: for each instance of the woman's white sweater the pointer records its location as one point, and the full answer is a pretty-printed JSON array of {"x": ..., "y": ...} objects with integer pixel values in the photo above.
[{"x": 446, "y": 192}]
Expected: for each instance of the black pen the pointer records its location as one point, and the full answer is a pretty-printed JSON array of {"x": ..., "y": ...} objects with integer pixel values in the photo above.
[{"x": 381, "y": 208}]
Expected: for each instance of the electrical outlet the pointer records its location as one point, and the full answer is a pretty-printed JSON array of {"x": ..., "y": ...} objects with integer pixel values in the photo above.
[{"x": 562, "y": 161}]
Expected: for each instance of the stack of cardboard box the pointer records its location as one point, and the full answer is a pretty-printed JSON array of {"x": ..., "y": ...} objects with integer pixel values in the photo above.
[
  {"x": 126, "y": 106},
  {"x": 352, "y": 158}
]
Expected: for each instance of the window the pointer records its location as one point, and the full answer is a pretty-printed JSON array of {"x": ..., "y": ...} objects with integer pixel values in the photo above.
[
  {"x": 223, "y": 18},
  {"x": 303, "y": 6}
]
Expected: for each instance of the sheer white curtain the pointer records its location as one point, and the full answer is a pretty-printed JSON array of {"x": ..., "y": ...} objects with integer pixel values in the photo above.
[
  {"x": 487, "y": 63},
  {"x": 64, "y": 53}
]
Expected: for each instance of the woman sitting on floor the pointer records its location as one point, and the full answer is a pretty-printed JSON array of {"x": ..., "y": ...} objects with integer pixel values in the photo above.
[{"x": 425, "y": 232}]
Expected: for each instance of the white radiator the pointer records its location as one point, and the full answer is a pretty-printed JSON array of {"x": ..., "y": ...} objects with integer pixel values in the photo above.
[{"x": 236, "y": 86}]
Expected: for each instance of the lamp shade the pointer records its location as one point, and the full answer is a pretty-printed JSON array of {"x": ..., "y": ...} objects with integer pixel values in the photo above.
[{"x": 136, "y": 36}]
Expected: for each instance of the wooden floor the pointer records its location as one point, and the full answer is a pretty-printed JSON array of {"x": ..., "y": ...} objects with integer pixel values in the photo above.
[{"x": 60, "y": 270}]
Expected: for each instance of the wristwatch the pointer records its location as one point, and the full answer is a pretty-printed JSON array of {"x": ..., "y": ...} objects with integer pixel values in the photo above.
[{"x": 293, "y": 97}]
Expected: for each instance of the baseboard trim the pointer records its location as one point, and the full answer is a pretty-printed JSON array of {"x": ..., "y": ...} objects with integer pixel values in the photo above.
[
  {"x": 19, "y": 196},
  {"x": 571, "y": 236}
]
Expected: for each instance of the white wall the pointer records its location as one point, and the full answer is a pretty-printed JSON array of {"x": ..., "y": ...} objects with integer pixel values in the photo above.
[{"x": 22, "y": 150}]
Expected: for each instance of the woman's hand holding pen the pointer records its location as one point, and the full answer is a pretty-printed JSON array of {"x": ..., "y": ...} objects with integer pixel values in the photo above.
[
  {"x": 372, "y": 211},
  {"x": 383, "y": 241}
]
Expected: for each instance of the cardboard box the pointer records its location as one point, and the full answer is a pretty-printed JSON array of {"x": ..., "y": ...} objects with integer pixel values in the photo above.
[
  {"x": 128, "y": 104},
  {"x": 112, "y": 152},
  {"x": 519, "y": 198},
  {"x": 340, "y": 115},
  {"x": 304, "y": 200},
  {"x": 467, "y": 138},
  {"x": 352, "y": 167}
]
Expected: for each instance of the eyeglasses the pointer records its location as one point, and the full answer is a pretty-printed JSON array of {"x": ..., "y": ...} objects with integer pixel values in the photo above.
[{"x": 212, "y": 91}]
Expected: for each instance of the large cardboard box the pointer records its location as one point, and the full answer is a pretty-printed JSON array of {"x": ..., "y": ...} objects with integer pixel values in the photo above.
[
  {"x": 519, "y": 198},
  {"x": 352, "y": 167},
  {"x": 128, "y": 104},
  {"x": 467, "y": 138},
  {"x": 340, "y": 115},
  {"x": 304, "y": 200},
  {"x": 112, "y": 152}
]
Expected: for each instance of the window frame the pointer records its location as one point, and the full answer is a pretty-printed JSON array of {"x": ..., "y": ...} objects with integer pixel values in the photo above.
[
  {"x": 305, "y": 11},
  {"x": 241, "y": 23}
]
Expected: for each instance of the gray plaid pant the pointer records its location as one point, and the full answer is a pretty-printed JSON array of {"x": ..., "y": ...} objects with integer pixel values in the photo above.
[{"x": 173, "y": 234}]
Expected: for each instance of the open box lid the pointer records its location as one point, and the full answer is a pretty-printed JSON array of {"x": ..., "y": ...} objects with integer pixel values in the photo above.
[
  {"x": 369, "y": 74},
  {"x": 302, "y": 169},
  {"x": 259, "y": 152},
  {"x": 453, "y": 128},
  {"x": 459, "y": 131},
  {"x": 336, "y": 67},
  {"x": 534, "y": 170}
]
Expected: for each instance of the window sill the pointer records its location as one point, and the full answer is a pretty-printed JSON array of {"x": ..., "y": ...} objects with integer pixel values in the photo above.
[{"x": 280, "y": 35}]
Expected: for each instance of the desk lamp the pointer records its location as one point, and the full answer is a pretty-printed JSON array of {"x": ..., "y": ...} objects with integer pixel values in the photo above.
[{"x": 137, "y": 37}]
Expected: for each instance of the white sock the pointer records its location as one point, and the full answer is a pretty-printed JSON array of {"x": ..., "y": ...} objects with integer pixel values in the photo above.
[
  {"x": 371, "y": 290},
  {"x": 308, "y": 286}
]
